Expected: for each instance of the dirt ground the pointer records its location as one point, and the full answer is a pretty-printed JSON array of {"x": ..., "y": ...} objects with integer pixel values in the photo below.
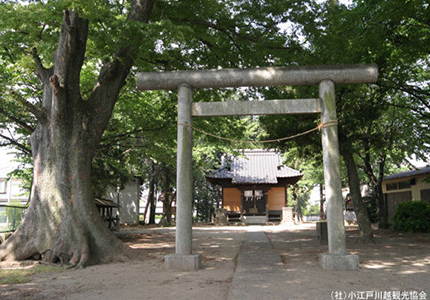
[{"x": 397, "y": 262}]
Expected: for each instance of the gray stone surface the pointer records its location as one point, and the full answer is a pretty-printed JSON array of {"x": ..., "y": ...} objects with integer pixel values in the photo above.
[
  {"x": 260, "y": 273},
  {"x": 184, "y": 176},
  {"x": 179, "y": 262},
  {"x": 267, "y": 107},
  {"x": 254, "y": 219},
  {"x": 220, "y": 217},
  {"x": 339, "y": 262},
  {"x": 287, "y": 216},
  {"x": 332, "y": 179},
  {"x": 269, "y": 76}
]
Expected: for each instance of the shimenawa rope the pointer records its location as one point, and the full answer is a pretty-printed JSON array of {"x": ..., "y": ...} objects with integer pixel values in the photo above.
[{"x": 319, "y": 127}]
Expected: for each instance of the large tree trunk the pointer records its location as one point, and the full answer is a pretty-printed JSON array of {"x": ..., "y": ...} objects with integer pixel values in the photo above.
[
  {"x": 166, "y": 220},
  {"x": 376, "y": 182},
  {"x": 151, "y": 195},
  {"x": 296, "y": 195},
  {"x": 363, "y": 220},
  {"x": 322, "y": 200},
  {"x": 152, "y": 204},
  {"x": 62, "y": 223},
  {"x": 382, "y": 205}
]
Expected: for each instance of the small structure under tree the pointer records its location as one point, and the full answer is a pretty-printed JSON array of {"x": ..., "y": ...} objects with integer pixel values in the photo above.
[
  {"x": 254, "y": 186},
  {"x": 105, "y": 208}
]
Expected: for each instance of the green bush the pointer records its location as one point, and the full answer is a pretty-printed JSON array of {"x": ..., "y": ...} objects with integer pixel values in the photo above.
[
  {"x": 412, "y": 216},
  {"x": 312, "y": 210},
  {"x": 372, "y": 208}
]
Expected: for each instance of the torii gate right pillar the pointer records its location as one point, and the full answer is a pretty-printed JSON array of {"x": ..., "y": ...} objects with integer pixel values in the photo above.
[{"x": 337, "y": 258}]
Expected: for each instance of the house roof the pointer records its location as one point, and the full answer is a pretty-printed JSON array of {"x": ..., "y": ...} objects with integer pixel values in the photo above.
[
  {"x": 105, "y": 203},
  {"x": 254, "y": 167},
  {"x": 418, "y": 171}
]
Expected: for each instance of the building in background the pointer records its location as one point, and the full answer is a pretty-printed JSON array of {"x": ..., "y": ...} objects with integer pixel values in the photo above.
[
  {"x": 12, "y": 195},
  {"x": 10, "y": 188},
  {"x": 254, "y": 185},
  {"x": 406, "y": 186},
  {"x": 128, "y": 200}
]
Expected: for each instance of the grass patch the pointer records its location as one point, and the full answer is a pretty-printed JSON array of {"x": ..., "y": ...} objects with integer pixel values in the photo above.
[{"x": 24, "y": 275}]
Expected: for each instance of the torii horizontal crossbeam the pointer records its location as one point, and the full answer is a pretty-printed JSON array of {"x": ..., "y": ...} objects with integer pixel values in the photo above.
[
  {"x": 268, "y": 107},
  {"x": 267, "y": 76}
]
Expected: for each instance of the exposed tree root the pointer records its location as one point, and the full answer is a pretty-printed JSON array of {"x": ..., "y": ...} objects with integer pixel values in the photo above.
[
  {"x": 77, "y": 253},
  {"x": 366, "y": 240}
]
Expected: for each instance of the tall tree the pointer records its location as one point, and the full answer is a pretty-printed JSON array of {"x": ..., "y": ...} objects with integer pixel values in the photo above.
[
  {"x": 381, "y": 122},
  {"x": 62, "y": 222},
  {"x": 70, "y": 101}
]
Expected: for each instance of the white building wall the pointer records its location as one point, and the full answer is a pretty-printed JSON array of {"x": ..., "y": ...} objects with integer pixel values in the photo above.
[{"x": 128, "y": 199}]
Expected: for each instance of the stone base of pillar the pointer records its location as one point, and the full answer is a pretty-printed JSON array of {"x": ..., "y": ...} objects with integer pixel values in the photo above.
[
  {"x": 339, "y": 262},
  {"x": 179, "y": 262}
]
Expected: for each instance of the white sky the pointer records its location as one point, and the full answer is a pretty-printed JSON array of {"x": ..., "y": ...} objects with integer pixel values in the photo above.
[{"x": 6, "y": 162}]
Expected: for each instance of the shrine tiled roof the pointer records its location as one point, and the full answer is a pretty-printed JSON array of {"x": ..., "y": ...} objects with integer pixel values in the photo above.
[{"x": 254, "y": 167}]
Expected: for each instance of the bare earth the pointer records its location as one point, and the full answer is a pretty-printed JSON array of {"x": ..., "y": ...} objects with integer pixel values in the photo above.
[{"x": 398, "y": 262}]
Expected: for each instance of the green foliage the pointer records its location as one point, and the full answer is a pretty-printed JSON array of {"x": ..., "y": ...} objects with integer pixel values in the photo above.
[
  {"x": 312, "y": 210},
  {"x": 383, "y": 123},
  {"x": 24, "y": 171},
  {"x": 412, "y": 216},
  {"x": 15, "y": 214},
  {"x": 372, "y": 208}
]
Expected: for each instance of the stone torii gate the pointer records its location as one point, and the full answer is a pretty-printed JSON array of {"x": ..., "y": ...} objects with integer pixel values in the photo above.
[{"x": 324, "y": 76}]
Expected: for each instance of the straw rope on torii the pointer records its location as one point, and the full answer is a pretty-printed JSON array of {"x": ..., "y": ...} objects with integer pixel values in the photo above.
[{"x": 319, "y": 127}]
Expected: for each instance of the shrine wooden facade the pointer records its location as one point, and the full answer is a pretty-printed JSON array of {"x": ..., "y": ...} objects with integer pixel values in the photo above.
[{"x": 254, "y": 186}]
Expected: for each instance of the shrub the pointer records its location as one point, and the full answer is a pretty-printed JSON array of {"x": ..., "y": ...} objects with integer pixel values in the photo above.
[
  {"x": 15, "y": 214},
  {"x": 312, "y": 210},
  {"x": 412, "y": 216}
]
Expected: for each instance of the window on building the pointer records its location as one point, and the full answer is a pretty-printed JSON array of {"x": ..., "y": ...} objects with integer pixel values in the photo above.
[
  {"x": 392, "y": 186},
  {"x": 404, "y": 184},
  {"x": 400, "y": 185}
]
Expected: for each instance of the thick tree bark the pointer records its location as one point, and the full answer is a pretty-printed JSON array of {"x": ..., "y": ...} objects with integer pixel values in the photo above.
[
  {"x": 166, "y": 220},
  {"x": 146, "y": 211},
  {"x": 322, "y": 200},
  {"x": 376, "y": 182},
  {"x": 152, "y": 204},
  {"x": 62, "y": 223},
  {"x": 299, "y": 208},
  {"x": 151, "y": 195},
  {"x": 363, "y": 220}
]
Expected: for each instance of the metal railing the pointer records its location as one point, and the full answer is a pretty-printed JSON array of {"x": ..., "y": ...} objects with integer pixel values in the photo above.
[{"x": 11, "y": 216}]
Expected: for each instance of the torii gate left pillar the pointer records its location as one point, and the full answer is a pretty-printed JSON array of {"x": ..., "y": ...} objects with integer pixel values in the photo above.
[{"x": 183, "y": 259}]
